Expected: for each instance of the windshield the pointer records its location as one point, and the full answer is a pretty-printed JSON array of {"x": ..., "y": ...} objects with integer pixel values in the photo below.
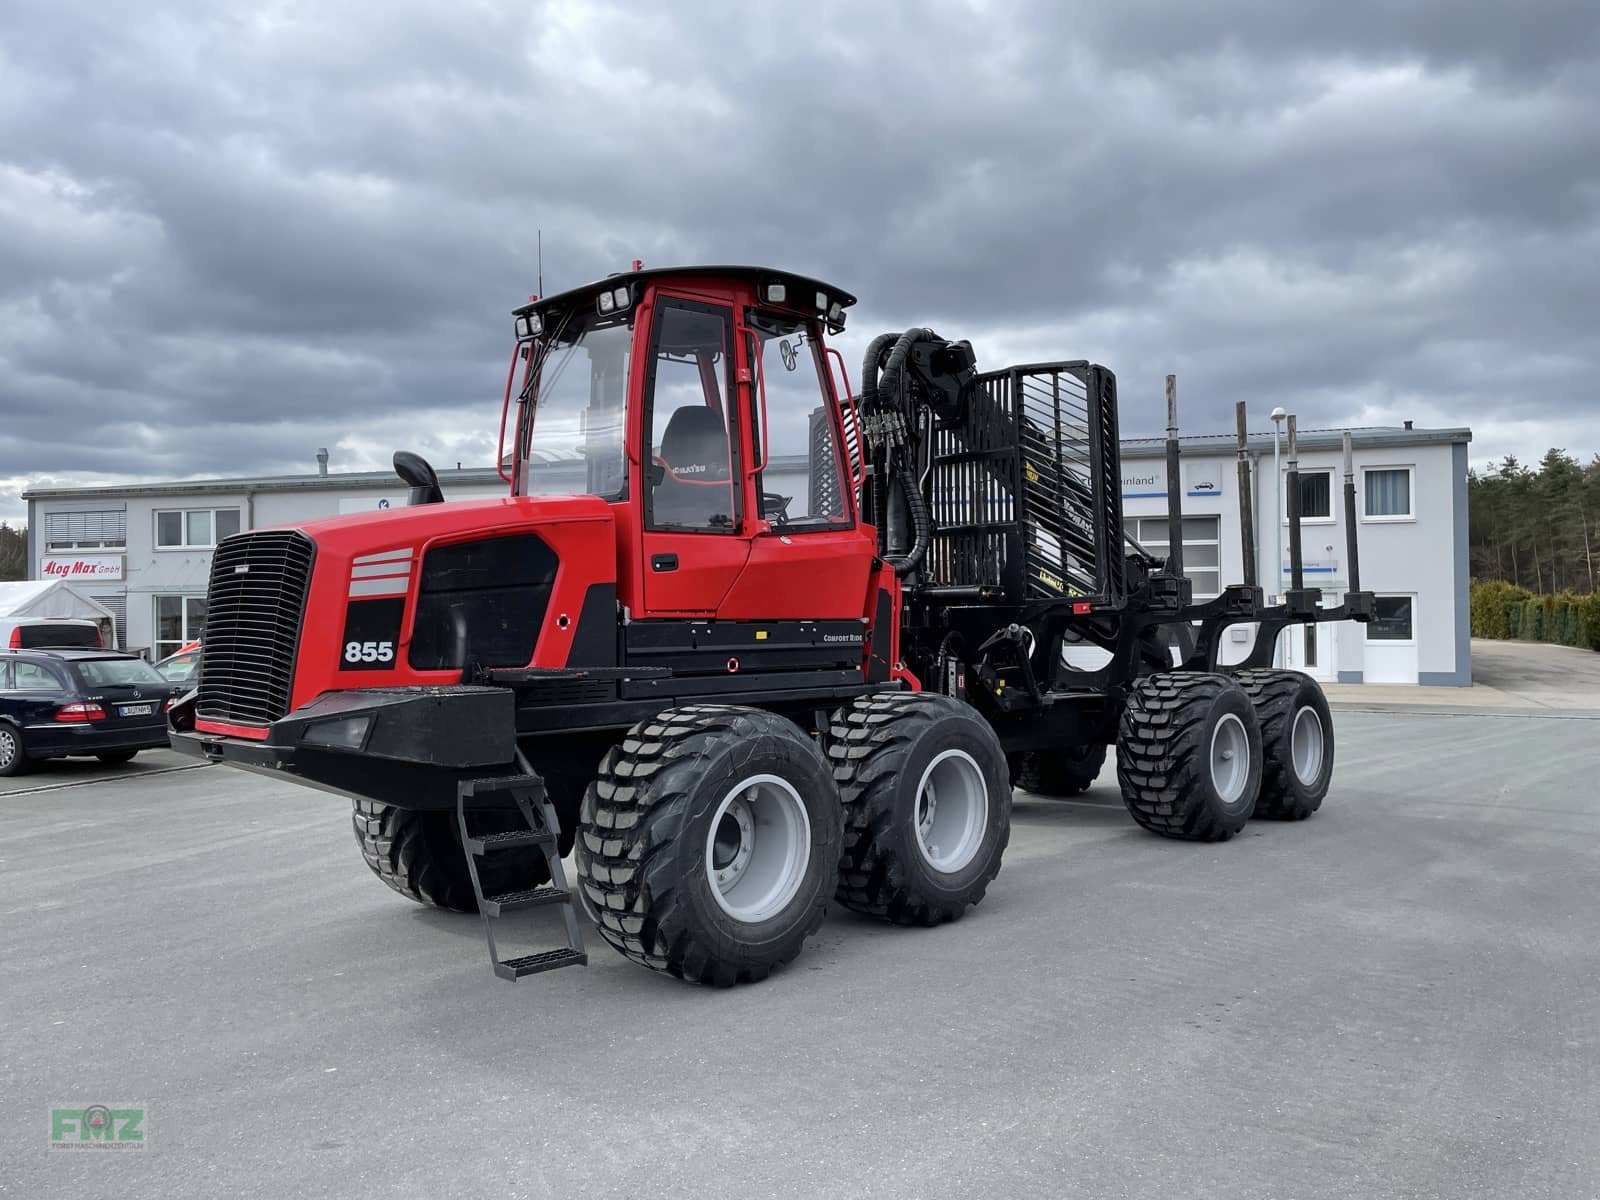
[
  {"x": 106, "y": 672},
  {"x": 570, "y": 413}
]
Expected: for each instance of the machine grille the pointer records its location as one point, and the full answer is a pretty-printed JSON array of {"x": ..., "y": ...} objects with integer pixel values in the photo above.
[
  {"x": 253, "y": 610},
  {"x": 1025, "y": 493}
]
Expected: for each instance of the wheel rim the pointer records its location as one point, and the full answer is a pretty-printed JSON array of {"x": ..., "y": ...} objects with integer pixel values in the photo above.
[
  {"x": 758, "y": 848},
  {"x": 1306, "y": 745},
  {"x": 952, "y": 811},
  {"x": 1230, "y": 758},
  {"x": 8, "y": 747}
]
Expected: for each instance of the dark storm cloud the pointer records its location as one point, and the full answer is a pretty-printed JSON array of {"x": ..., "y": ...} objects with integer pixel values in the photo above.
[{"x": 230, "y": 234}]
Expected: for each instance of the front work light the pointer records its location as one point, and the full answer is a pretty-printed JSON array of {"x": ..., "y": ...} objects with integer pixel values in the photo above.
[
  {"x": 620, "y": 296},
  {"x": 350, "y": 733},
  {"x": 608, "y": 301},
  {"x": 777, "y": 293}
]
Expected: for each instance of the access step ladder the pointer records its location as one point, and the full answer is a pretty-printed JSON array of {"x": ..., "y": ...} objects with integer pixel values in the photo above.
[{"x": 541, "y": 829}]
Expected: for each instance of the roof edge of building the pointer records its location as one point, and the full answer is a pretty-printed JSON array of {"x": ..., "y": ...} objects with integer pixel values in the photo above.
[{"x": 1309, "y": 439}]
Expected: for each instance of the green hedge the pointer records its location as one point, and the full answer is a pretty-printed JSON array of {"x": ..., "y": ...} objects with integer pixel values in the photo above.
[{"x": 1502, "y": 610}]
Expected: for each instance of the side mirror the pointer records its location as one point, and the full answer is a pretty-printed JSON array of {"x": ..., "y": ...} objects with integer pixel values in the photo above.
[{"x": 417, "y": 474}]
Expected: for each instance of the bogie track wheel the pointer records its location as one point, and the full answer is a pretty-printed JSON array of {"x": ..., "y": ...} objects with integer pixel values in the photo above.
[
  {"x": 1066, "y": 772},
  {"x": 1189, "y": 755},
  {"x": 927, "y": 799},
  {"x": 707, "y": 843},
  {"x": 1296, "y": 742}
]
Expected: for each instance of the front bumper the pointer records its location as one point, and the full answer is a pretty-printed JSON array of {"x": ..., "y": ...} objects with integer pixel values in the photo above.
[{"x": 409, "y": 747}]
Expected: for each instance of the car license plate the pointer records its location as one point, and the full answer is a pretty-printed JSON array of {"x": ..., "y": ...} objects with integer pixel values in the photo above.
[{"x": 136, "y": 710}]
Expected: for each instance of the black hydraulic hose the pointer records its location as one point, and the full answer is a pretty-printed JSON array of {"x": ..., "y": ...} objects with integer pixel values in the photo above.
[
  {"x": 892, "y": 383},
  {"x": 894, "y": 369},
  {"x": 921, "y": 521},
  {"x": 873, "y": 363}
]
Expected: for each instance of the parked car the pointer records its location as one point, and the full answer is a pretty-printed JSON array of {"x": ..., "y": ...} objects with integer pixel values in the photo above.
[
  {"x": 55, "y": 703},
  {"x": 180, "y": 666},
  {"x": 36, "y": 633}
]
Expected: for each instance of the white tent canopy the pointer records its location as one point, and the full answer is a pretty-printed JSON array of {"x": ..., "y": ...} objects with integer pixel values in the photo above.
[{"x": 55, "y": 598}]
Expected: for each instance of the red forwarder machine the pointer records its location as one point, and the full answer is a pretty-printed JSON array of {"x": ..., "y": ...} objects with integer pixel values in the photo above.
[{"x": 746, "y": 642}]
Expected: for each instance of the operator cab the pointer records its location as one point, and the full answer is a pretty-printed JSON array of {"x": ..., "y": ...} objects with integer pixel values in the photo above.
[{"x": 703, "y": 405}]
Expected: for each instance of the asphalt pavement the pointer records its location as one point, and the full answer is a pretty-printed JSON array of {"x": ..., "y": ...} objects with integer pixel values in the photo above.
[{"x": 1394, "y": 999}]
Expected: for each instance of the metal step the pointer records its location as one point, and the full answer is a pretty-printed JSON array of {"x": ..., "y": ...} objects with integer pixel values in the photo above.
[
  {"x": 503, "y": 783},
  {"x": 505, "y": 841},
  {"x": 545, "y": 960},
  {"x": 542, "y": 828},
  {"x": 528, "y": 898}
]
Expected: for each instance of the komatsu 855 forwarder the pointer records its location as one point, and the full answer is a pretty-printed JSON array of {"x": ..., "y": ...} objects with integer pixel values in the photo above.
[{"x": 745, "y": 642}]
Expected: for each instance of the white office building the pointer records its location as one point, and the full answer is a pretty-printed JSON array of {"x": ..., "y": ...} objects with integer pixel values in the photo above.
[
  {"x": 1411, "y": 527},
  {"x": 144, "y": 551}
]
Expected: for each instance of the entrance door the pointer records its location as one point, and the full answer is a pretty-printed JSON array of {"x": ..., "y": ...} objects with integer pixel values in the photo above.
[
  {"x": 1390, "y": 655},
  {"x": 692, "y": 496}
]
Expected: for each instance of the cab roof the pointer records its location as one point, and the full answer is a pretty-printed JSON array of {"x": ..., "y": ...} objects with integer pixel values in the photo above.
[{"x": 801, "y": 290}]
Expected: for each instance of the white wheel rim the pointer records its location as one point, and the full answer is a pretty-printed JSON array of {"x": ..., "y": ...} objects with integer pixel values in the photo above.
[
  {"x": 1230, "y": 758},
  {"x": 8, "y": 747},
  {"x": 758, "y": 848},
  {"x": 1306, "y": 745},
  {"x": 951, "y": 813}
]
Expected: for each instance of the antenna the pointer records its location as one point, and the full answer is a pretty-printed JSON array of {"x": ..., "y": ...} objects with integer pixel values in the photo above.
[{"x": 540, "y": 235}]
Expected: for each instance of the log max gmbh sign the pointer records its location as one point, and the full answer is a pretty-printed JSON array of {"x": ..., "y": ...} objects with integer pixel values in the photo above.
[{"x": 97, "y": 567}]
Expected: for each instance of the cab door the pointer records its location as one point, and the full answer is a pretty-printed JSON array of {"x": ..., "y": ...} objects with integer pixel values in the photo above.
[
  {"x": 693, "y": 543},
  {"x": 809, "y": 557}
]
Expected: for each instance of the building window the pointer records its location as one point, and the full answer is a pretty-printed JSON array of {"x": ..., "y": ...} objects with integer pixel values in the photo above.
[
  {"x": 179, "y": 620},
  {"x": 195, "y": 528},
  {"x": 1388, "y": 493},
  {"x": 1393, "y": 621},
  {"x": 1316, "y": 496},
  {"x": 1202, "y": 548},
  {"x": 101, "y": 530}
]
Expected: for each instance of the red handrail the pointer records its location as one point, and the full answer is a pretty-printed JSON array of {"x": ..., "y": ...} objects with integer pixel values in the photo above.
[
  {"x": 505, "y": 409},
  {"x": 858, "y": 468}
]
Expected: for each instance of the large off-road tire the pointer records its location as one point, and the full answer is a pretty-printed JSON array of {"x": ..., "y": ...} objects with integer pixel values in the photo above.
[
  {"x": 1189, "y": 755},
  {"x": 708, "y": 842},
  {"x": 1067, "y": 772},
  {"x": 927, "y": 801},
  {"x": 14, "y": 758},
  {"x": 1296, "y": 742},
  {"x": 419, "y": 854}
]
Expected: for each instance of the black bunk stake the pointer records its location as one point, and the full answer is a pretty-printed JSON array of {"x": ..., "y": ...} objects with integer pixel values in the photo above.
[
  {"x": 1297, "y": 575},
  {"x": 1247, "y": 523},
  {"x": 1174, "y": 485},
  {"x": 1297, "y": 578},
  {"x": 1350, "y": 515}
]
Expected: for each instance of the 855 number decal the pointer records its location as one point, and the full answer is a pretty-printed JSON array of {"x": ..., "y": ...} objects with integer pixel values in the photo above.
[
  {"x": 371, "y": 634},
  {"x": 369, "y": 652}
]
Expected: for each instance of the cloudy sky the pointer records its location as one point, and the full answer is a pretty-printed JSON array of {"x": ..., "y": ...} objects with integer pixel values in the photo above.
[{"x": 233, "y": 232}]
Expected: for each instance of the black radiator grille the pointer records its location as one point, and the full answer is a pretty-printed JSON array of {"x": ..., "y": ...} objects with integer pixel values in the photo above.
[{"x": 253, "y": 610}]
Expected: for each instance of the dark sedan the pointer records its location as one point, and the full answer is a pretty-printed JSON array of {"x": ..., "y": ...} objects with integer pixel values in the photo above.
[{"x": 55, "y": 703}]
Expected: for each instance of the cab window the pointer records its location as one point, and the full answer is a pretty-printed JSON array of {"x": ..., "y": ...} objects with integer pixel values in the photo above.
[
  {"x": 802, "y": 483},
  {"x": 691, "y": 473}
]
